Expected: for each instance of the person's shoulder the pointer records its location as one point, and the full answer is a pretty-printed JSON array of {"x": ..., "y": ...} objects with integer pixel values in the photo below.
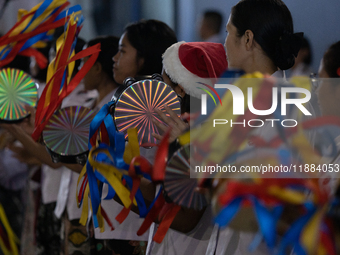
[{"x": 216, "y": 38}]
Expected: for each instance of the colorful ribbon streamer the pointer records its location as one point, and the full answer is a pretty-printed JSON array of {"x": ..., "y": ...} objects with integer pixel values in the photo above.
[
  {"x": 33, "y": 29},
  {"x": 60, "y": 82},
  {"x": 269, "y": 197}
]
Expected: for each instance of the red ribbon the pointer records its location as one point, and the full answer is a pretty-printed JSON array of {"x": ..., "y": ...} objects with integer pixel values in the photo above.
[
  {"x": 161, "y": 158},
  {"x": 82, "y": 188},
  {"x": 107, "y": 219},
  {"x": 39, "y": 57},
  {"x": 44, "y": 114},
  {"x": 260, "y": 190},
  {"x": 125, "y": 212},
  {"x": 152, "y": 215},
  {"x": 170, "y": 214},
  {"x": 21, "y": 39}
]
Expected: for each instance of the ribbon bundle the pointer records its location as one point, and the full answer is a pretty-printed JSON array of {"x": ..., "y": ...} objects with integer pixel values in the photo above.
[
  {"x": 120, "y": 166},
  {"x": 105, "y": 158},
  {"x": 33, "y": 28},
  {"x": 60, "y": 82},
  {"x": 271, "y": 199}
]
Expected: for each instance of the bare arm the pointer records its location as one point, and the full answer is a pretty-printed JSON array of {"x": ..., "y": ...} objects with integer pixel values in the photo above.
[{"x": 36, "y": 149}]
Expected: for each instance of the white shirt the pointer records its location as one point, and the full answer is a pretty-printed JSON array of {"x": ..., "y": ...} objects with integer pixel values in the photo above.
[
  {"x": 67, "y": 187},
  {"x": 50, "y": 178},
  {"x": 216, "y": 38},
  {"x": 13, "y": 173},
  {"x": 177, "y": 243}
]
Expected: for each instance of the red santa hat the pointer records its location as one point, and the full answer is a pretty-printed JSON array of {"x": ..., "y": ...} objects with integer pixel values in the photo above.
[{"x": 190, "y": 64}]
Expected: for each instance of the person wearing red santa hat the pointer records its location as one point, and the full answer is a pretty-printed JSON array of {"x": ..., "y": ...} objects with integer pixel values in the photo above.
[{"x": 187, "y": 66}]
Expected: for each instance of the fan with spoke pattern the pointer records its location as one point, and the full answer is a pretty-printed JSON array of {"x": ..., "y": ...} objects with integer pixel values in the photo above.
[
  {"x": 67, "y": 131},
  {"x": 17, "y": 89},
  {"x": 135, "y": 108}
]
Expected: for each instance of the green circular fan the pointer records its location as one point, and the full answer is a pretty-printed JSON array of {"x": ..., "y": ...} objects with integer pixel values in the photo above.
[{"x": 17, "y": 89}]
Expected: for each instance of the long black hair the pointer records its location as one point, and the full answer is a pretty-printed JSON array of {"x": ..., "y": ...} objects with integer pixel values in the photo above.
[
  {"x": 109, "y": 48},
  {"x": 150, "y": 38},
  {"x": 331, "y": 60},
  {"x": 272, "y": 25}
]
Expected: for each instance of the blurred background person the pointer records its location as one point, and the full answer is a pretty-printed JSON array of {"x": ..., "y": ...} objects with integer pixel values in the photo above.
[
  {"x": 210, "y": 26},
  {"x": 303, "y": 61}
]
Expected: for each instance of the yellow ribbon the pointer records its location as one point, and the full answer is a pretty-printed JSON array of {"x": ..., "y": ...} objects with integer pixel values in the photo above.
[
  {"x": 311, "y": 232},
  {"x": 112, "y": 175},
  {"x": 52, "y": 67},
  {"x": 287, "y": 195},
  {"x": 132, "y": 146},
  {"x": 12, "y": 238}
]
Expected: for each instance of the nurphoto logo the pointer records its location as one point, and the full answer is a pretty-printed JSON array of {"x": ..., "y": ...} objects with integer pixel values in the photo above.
[{"x": 239, "y": 104}]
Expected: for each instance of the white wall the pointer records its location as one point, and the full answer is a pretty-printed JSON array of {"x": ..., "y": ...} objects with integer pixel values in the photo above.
[
  {"x": 9, "y": 17},
  {"x": 159, "y": 9}
]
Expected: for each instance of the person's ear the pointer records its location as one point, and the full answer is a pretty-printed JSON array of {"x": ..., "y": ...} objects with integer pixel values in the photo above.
[
  {"x": 140, "y": 63},
  {"x": 179, "y": 90},
  {"x": 97, "y": 68},
  {"x": 248, "y": 39}
]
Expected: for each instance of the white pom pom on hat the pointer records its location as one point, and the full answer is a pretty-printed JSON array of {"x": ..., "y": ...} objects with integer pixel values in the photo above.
[{"x": 190, "y": 64}]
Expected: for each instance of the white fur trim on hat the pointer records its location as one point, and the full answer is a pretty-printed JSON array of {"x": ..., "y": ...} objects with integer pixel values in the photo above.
[{"x": 179, "y": 74}]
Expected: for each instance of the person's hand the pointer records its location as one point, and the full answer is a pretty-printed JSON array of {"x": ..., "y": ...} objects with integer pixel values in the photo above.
[
  {"x": 26, "y": 126},
  {"x": 23, "y": 155},
  {"x": 177, "y": 124},
  {"x": 28, "y": 123},
  {"x": 5, "y": 138},
  {"x": 13, "y": 129}
]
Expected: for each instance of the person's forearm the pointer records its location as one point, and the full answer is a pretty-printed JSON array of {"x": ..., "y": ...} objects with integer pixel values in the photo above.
[{"x": 39, "y": 151}]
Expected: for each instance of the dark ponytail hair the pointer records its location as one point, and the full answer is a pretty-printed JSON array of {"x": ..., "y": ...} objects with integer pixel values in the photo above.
[
  {"x": 331, "y": 60},
  {"x": 150, "y": 38},
  {"x": 109, "y": 48},
  {"x": 272, "y": 25}
]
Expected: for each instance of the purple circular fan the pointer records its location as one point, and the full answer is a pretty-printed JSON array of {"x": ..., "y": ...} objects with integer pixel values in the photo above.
[
  {"x": 135, "y": 108},
  {"x": 17, "y": 89},
  {"x": 67, "y": 131},
  {"x": 177, "y": 182}
]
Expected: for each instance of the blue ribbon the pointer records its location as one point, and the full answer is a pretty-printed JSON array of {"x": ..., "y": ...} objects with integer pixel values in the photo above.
[
  {"x": 267, "y": 221},
  {"x": 102, "y": 157},
  {"x": 39, "y": 11},
  {"x": 70, "y": 10},
  {"x": 228, "y": 212},
  {"x": 98, "y": 119},
  {"x": 292, "y": 237},
  {"x": 35, "y": 39},
  {"x": 94, "y": 192},
  {"x": 143, "y": 211}
]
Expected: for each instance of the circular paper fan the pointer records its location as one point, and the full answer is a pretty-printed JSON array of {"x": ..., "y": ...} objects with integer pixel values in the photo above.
[
  {"x": 17, "y": 89},
  {"x": 135, "y": 108},
  {"x": 177, "y": 182},
  {"x": 67, "y": 131}
]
